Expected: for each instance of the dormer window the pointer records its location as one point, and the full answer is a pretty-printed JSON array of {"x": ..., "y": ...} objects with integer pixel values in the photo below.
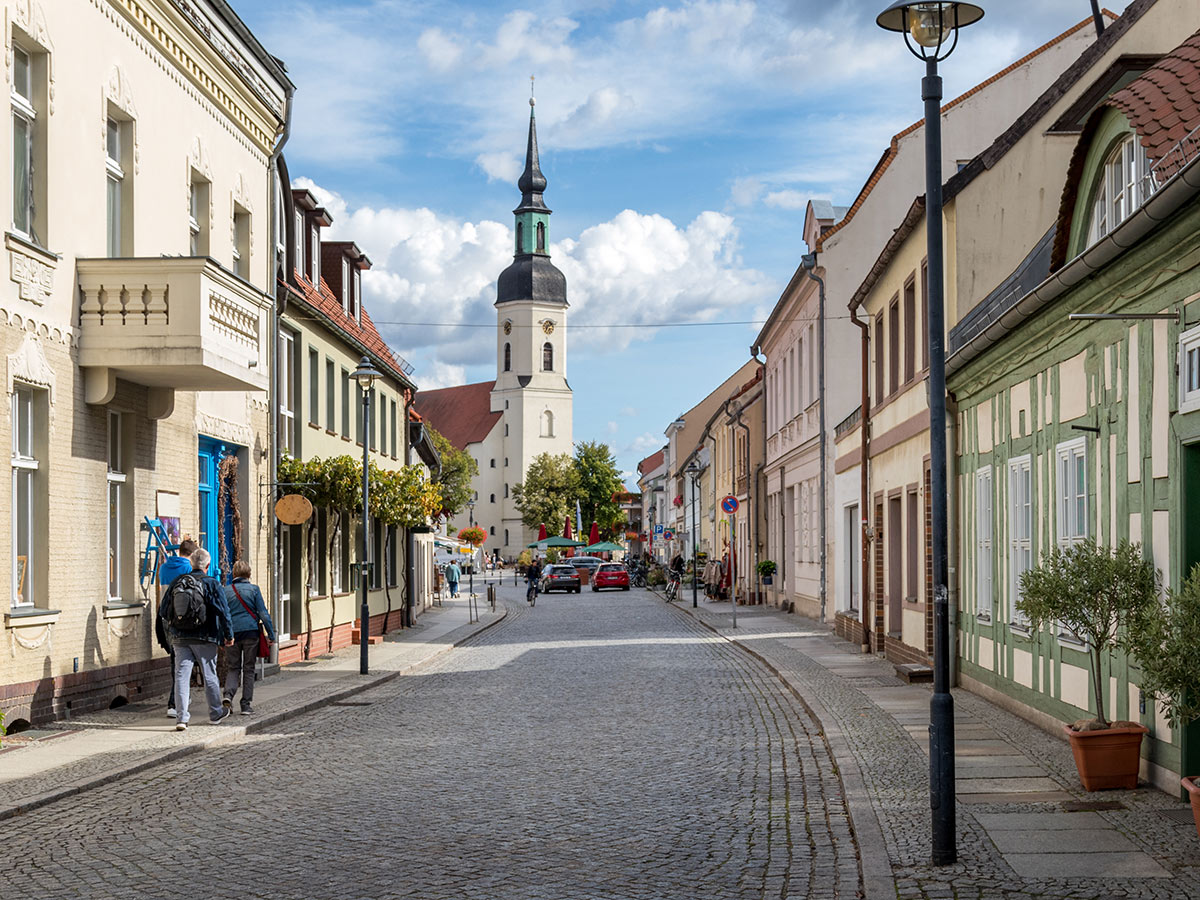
[
  {"x": 356, "y": 294},
  {"x": 316, "y": 255},
  {"x": 301, "y": 233},
  {"x": 1126, "y": 182},
  {"x": 346, "y": 286}
]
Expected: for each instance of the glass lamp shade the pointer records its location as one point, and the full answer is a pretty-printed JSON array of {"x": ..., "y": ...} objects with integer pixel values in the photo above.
[
  {"x": 366, "y": 374},
  {"x": 929, "y": 24}
]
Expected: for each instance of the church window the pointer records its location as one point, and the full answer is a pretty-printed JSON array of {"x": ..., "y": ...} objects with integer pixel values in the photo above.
[
  {"x": 493, "y": 498},
  {"x": 505, "y": 537},
  {"x": 493, "y": 464},
  {"x": 508, "y": 357},
  {"x": 547, "y": 424},
  {"x": 493, "y": 531},
  {"x": 520, "y": 236},
  {"x": 541, "y": 237},
  {"x": 505, "y": 490},
  {"x": 506, "y": 429},
  {"x": 547, "y": 357}
]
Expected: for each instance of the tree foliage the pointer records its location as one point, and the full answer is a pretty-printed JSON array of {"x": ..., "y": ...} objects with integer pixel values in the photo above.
[
  {"x": 1166, "y": 642},
  {"x": 1101, "y": 595},
  {"x": 547, "y": 495},
  {"x": 599, "y": 480},
  {"x": 458, "y": 468}
]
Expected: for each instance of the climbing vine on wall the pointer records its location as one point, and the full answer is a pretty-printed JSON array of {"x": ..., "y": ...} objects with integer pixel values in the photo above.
[{"x": 229, "y": 506}]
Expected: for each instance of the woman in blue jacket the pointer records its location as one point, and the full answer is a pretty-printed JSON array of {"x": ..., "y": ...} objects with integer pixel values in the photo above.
[{"x": 246, "y": 609}]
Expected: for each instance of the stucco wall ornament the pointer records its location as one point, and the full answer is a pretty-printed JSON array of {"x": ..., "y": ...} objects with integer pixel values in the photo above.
[
  {"x": 225, "y": 430},
  {"x": 198, "y": 160},
  {"x": 46, "y": 638},
  {"x": 30, "y": 17},
  {"x": 32, "y": 274},
  {"x": 29, "y": 366},
  {"x": 119, "y": 92}
]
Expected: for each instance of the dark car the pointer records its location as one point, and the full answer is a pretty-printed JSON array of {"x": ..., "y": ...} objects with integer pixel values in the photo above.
[
  {"x": 611, "y": 575},
  {"x": 591, "y": 563},
  {"x": 560, "y": 578}
]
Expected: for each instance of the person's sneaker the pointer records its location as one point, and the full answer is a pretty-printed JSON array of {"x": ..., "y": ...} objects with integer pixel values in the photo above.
[
  {"x": 181, "y": 726},
  {"x": 172, "y": 713},
  {"x": 226, "y": 712},
  {"x": 247, "y": 709},
  {"x": 227, "y": 702}
]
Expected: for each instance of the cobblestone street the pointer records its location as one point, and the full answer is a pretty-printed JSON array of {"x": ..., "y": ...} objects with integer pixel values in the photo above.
[{"x": 596, "y": 746}]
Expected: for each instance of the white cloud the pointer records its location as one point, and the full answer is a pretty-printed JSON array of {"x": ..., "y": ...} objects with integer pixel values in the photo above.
[
  {"x": 646, "y": 443},
  {"x": 439, "y": 50},
  {"x": 439, "y": 375},
  {"x": 787, "y": 199},
  {"x": 499, "y": 166},
  {"x": 629, "y": 412},
  {"x": 613, "y": 427}
]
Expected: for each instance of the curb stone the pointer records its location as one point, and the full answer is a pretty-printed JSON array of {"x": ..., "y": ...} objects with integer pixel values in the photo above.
[
  {"x": 230, "y": 733},
  {"x": 877, "y": 877}
]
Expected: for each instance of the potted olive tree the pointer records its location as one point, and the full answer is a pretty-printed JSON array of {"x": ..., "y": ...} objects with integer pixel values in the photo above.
[
  {"x": 1166, "y": 644},
  {"x": 1102, "y": 596},
  {"x": 766, "y": 571}
]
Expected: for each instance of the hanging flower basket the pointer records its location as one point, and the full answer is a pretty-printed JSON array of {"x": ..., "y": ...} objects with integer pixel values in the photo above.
[{"x": 473, "y": 535}]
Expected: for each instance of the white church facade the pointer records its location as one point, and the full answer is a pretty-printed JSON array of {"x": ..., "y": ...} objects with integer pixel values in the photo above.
[{"x": 527, "y": 410}]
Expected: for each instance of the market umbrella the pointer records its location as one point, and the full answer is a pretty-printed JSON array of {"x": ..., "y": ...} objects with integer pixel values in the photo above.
[
  {"x": 567, "y": 531},
  {"x": 556, "y": 542},
  {"x": 541, "y": 532},
  {"x": 594, "y": 534},
  {"x": 603, "y": 547}
]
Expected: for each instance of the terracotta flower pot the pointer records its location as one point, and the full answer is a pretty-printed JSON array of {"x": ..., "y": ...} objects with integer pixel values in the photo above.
[
  {"x": 1194, "y": 790},
  {"x": 1109, "y": 758}
]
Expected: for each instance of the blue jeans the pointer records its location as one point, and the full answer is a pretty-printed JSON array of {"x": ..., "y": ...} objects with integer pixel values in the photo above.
[
  {"x": 453, "y": 588},
  {"x": 187, "y": 656}
]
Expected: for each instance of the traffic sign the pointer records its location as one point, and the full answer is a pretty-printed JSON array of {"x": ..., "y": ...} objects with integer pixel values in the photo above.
[
  {"x": 730, "y": 504},
  {"x": 658, "y": 529},
  {"x": 669, "y": 535}
]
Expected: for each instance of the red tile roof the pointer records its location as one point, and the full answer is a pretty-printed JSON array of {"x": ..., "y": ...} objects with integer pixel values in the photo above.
[
  {"x": 462, "y": 415},
  {"x": 893, "y": 148},
  {"x": 1163, "y": 105},
  {"x": 324, "y": 302},
  {"x": 651, "y": 462}
]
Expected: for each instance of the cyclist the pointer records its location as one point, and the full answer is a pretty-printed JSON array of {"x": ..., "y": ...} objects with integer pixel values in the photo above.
[{"x": 532, "y": 573}]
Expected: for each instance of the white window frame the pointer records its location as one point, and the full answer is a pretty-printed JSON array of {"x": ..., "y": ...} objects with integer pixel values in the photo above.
[
  {"x": 286, "y": 391},
  {"x": 346, "y": 286},
  {"x": 853, "y": 551},
  {"x": 114, "y": 185},
  {"x": 23, "y": 109},
  {"x": 985, "y": 551},
  {"x": 1020, "y": 533},
  {"x": 316, "y": 255},
  {"x": 241, "y": 242},
  {"x": 1189, "y": 370},
  {"x": 1126, "y": 182},
  {"x": 116, "y": 478},
  {"x": 301, "y": 237},
  {"x": 25, "y": 467},
  {"x": 1070, "y": 528}
]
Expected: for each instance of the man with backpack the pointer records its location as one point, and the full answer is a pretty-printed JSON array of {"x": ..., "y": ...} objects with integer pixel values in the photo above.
[
  {"x": 172, "y": 568},
  {"x": 197, "y": 622}
]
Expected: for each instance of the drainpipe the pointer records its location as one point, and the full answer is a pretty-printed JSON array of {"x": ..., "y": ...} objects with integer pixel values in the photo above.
[
  {"x": 762, "y": 466},
  {"x": 410, "y": 600},
  {"x": 273, "y": 359},
  {"x": 1099, "y": 19},
  {"x": 864, "y": 484},
  {"x": 952, "y": 528},
  {"x": 809, "y": 263}
]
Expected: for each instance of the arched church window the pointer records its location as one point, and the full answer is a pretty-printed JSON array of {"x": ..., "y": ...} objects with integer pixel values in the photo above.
[
  {"x": 541, "y": 237},
  {"x": 547, "y": 357},
  {"x": 493, "y": 531},
  {"x": 547, "y": 424},
  {"x": 508, "y": 357},
  {"x": 493, "y": 498},
  {"x": 520, "y": 236}
]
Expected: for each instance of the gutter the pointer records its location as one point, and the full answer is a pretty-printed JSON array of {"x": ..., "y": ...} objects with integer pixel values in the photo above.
[
  {"x": 809, "y": 262},
  {"x": 1183, "y": 187},
  {"x": 864, "y": 483}
]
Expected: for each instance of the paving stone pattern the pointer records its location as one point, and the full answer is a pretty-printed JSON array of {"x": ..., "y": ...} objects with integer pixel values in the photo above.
[
  {"x": 1014, "y": 840},
  {"x": 596, "y": 746}
]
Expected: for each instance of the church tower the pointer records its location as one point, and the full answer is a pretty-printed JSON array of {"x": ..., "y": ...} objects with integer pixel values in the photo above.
[{"x": 531, "y": 392}]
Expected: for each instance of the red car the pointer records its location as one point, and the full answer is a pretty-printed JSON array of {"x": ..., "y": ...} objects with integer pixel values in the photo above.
[{"x": 611, "y": 575}]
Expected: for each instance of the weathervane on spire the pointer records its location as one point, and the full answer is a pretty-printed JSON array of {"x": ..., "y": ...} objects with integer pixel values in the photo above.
[{"x": 532, "y": 101}]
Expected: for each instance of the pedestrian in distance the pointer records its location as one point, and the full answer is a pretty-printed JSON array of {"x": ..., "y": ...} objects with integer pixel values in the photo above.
[
  {"x": 453, "y": 576},
  {"x": 197, "y": 623},
  {"x": 248, "y": 614},
  {"x": 172, "y": 568}
]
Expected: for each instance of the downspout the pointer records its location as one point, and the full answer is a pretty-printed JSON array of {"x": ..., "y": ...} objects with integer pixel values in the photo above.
[
  {"x": 760, "y": 470},
  {"x": 273, "y": 356},
  {"x": 409, "y": 541},
  {"x": 864, "y": 483},
  {"x": 809, "y": 262},
  {"x": 952, "y": 529},
  {"x": 1099, "y": 19}
]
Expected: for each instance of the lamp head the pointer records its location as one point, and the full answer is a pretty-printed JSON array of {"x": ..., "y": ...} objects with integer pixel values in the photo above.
[
  {"x": 932, "y": 26},
  {"x": 366, "y": 374}
]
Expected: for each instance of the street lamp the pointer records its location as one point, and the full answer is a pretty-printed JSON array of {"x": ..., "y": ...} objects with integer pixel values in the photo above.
[
  {"x": 471, "y": 570},
  {"x": 365, "y": 375},
  {"x": 931, "y": 33},
  {"x": 694, "y": 471}
]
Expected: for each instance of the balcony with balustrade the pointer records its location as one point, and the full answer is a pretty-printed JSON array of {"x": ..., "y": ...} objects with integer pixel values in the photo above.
[{"x": 172, "y": 323}]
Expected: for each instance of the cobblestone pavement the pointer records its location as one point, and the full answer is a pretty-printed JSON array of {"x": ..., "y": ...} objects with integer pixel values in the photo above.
[
  {"x": 895, "y": 769},
  {"x": 596, "y": 746}
]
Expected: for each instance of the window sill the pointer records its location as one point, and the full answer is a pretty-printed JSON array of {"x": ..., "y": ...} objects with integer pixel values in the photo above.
[
  {"x": 314, "y": 426},
  {"x": 331, "y": 432},
  {"x": 118, "y": 609},
  {"x": 1021, "y": 630},
  {"x": 26, "y": 245},
  {"x": 30, "y": 617}
]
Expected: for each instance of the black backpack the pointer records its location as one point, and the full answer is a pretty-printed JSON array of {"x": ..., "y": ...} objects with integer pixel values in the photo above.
[{"x": 188, "y": 609}]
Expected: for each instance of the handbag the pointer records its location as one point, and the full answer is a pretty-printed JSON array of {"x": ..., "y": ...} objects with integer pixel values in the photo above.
[{"x": 264, "y": 642}]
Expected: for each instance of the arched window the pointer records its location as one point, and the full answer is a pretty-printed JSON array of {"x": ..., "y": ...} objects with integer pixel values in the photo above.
[
  {"x": 541, "y": 237},
  {"x": 520, "y": 236},
  {"x": 547, "y": 424},
  {"x": 493, "y": 531},
  {"x": 505, "y": 537},
  {"x": 506, "y": 491},
  {"x": 1126, "y": 182},
  {"x": 547, "y": 357},
  {"x": 508, "y": 357},
  {"x": 493, "y": 498}
]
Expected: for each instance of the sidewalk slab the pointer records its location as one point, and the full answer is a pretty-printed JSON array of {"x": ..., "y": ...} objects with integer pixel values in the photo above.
[{"x": 105, "y": 746}]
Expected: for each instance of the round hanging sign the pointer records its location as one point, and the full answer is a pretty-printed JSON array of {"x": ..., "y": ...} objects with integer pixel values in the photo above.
[{"x": 293, "y": 509}]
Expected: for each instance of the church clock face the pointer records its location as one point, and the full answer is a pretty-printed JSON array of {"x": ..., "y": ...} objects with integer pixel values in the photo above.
[
  {"x": 548, "y": 327},
  {"x": 508, "y": 327}
]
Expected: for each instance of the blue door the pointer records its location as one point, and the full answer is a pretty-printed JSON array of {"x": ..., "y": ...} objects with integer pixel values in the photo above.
[{"x": 211, "y": 453}]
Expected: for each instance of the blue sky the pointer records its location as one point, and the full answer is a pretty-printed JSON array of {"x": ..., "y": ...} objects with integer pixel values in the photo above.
[{"x": 680, "y": 142}]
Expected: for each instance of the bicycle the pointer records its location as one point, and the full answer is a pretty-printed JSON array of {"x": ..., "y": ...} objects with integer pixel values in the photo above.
[
  {"x": 531, "y": 593},
  {"x": 673, "y": 586}
]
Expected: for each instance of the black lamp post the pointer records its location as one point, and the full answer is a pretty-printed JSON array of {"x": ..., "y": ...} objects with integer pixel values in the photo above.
[
  {"x": 471, "y": 573},
  {"x": 365, "y": 375},
  {"x": 931, "y": 33},
  {"x": 693, "y": 470}
]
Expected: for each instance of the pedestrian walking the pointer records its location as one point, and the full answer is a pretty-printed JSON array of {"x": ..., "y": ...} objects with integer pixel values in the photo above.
[
  {"x": 172, "y": 568},
  {"x": 248, "y": 614},
  {"x": 196, "y": 621},
  {"x": 453, "y": 576}
]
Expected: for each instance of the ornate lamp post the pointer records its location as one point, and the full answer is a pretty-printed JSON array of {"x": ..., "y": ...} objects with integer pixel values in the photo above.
[
  {"x": 471, "y": 522},
  {"x": 693, "y": 471},
  {"x": 931, "y": 33},
  {"x": 365, "y": 375}
]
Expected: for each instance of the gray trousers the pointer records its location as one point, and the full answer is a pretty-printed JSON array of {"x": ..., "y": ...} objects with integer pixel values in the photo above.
[
  {"x": 187, "y": 656},
  {"x": 239, "y": 662}
]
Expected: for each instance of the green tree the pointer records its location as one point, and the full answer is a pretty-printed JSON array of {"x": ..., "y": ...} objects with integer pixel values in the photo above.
[
  {"x": 406, "y": 499},
  {"x": 547, "y": 495},
  {"x": 599, "y": 479},
  {"x": 458, "y": 468}
]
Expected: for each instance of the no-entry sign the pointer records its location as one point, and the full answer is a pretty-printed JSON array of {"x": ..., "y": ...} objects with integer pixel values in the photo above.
[{"x": 730, "y": 504}]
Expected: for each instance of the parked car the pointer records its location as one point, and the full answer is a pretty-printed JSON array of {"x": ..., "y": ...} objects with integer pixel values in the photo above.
[
  {"x": 591, "y": 563},
  {"x": 560, "y": 578},
  {"x": 611, "y": 575}
]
